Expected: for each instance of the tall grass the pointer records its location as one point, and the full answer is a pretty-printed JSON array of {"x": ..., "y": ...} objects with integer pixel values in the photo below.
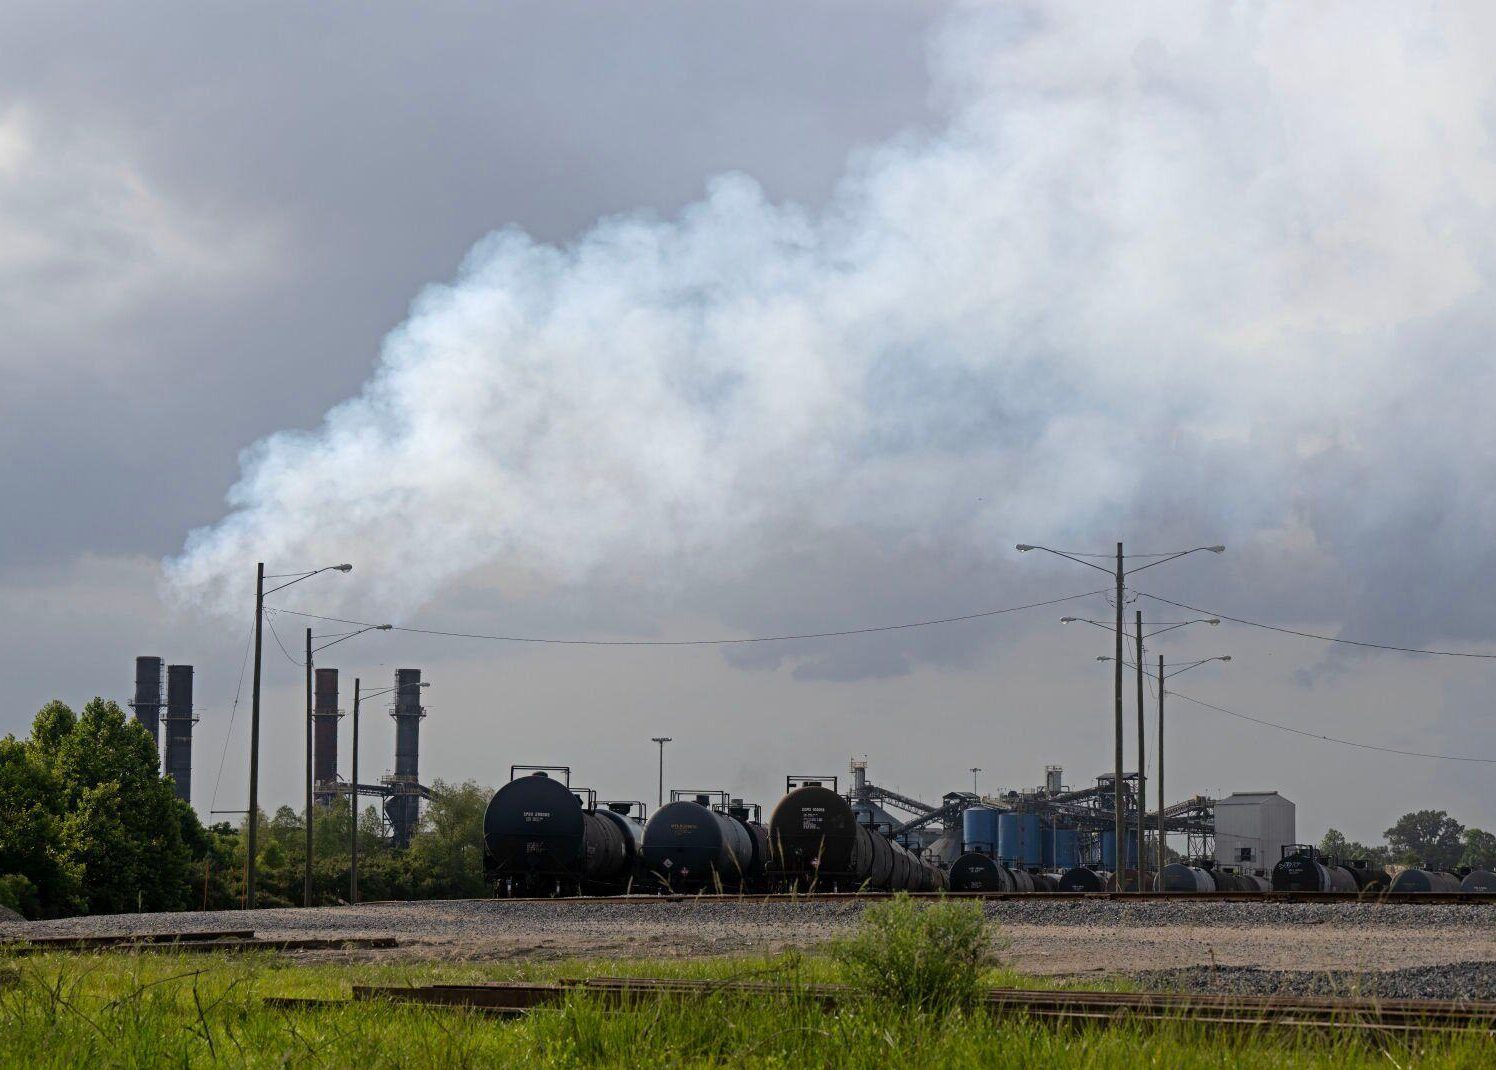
[
  {"x": 161, "y": 1009},
  {"x": 918, "y": 956}
]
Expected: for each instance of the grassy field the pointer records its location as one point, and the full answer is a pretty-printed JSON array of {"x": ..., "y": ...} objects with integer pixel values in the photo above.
[
  {"x": 157, "y": 1008},
  {"x": 919, "y": 967}
]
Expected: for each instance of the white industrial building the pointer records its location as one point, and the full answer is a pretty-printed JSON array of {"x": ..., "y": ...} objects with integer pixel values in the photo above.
[{"x": 1251, "y": 828}]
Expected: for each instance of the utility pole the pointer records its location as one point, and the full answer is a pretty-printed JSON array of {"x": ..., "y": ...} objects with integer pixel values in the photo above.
[
  {"x": 1119, "y": 835},
  {"x": 974, "y": 771},
  {"x": 1142, "y": 765},
  {"x": 252, "y": 831},
  {"x": 661, "y": 740},
  {"x": 1161, "y": 841},
  {"x": 353, "y": 836},
  {"x": 308, "y": 891}
]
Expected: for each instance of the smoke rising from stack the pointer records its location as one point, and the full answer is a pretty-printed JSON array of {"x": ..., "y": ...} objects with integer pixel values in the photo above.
[{"x": 1168, "y": 267}]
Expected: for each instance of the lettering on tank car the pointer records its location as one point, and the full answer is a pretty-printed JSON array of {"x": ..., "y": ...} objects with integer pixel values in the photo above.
[
  {"x": 811, "y": 818},
  {"x": 684, "y": 827},
  {"x": 537, "y": 816}
]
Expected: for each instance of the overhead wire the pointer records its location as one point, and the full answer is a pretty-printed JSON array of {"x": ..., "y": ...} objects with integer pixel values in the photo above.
[
  {"x": 1322, "y": 638},
  {"x": 233, "y": 710},
  {"x": 270, "y": 620},
  {"x": 700, "y": 642},
  {"x": 1329, "y": 739}
]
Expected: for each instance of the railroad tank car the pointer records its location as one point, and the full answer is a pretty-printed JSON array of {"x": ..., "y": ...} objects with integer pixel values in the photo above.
[
  {"x": 1479, "y": 880},
  {"x": 1302, "y": 872},
  {"x": 1423, "y": 881},
  {"x": 1230, "y": 881},
  {"x": 689, "y": 845},
  {"x": 1045, "y": 882},
  {"x": 815, "y": 840},
  {"x": 1085, "y": 879},
  {"x": 539, "y": 839},
  {"x": 1178, "y": 877},
  {"x": 1368, "y": 878},
  {"x": 976, "y": 872}
]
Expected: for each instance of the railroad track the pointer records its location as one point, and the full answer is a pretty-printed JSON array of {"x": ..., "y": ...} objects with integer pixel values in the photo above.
[
  {"x": 198, "y": 942},
  {"x": 508, "y": 999},
  {"x": 1410, "y": 898}
]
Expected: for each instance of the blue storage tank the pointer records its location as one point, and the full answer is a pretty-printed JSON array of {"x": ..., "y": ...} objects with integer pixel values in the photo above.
[
  {"x": 980, "y": 829},
  {"x": 1010, "y": 838},
  {"x": 1033, "y": 839},
  {"x": 1109, "y": 851},
  {"x": 1066, "y": 849},
  {"x": 1046, "y": 844}
]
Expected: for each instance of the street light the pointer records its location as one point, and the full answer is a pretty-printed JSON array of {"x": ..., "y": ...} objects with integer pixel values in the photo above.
[
  {"x": 353, "y": 836},
  {"x": 661, "y": 740},
  {"x": 1120, "y": 575},
  {"x": 974, "y": 771},
  {"x": 310, "y": 650},
  {"x": 254, "y": 717}
]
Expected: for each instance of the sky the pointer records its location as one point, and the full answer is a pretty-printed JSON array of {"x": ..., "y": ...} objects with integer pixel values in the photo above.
[{"x": 678, "y": 321}]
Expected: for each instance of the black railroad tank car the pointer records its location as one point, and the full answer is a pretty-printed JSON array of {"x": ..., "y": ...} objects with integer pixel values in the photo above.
[
  {"x": 975, "y": 872},
  {"x": 817, "y": 843},
  {"x": 688, "y": 846},
  {"x": 1304, "y": 871},
  {"x": 1179, "y": 877},
  {"x": 539, "y": 839},
  {"x": 1085, "y": 879},
  {"x": 1481, "y": 881},
  {"x": 1423, "y": 881}
]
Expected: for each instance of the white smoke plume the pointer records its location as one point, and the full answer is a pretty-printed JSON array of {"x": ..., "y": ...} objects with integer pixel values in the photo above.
[{"x": 1229, "y": 264}]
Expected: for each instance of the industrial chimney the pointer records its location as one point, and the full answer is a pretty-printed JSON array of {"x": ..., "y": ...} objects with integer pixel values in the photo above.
[
  {"x": 179, "y": 722},
  {"x": 404, "y": 806},
  {"x": 147, "y": 703},
  {"x": 325, "y": 714}
]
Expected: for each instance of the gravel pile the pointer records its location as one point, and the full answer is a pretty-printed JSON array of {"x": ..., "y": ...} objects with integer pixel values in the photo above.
[{"x": 1457, "y": 980}]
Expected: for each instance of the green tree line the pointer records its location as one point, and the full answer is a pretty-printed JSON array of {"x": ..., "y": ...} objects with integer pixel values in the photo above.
[
  {"x": 89, "y": 825},
  {"x": 1421, "y": 838}
]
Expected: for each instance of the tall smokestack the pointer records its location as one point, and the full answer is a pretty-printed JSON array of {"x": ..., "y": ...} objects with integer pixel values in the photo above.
[
  {"x": 405, "y": 805},
  {"x": 325, "y": 727},
  {"x": 179, "y": 722},
  {"x": 147, "y": 703}
]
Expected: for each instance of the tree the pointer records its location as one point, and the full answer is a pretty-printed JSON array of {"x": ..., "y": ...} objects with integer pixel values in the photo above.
[
  {"x": 1480, "y": 849},
  {"x": 1335, "y": 845},
  {"x": 1426, "y": 837},
  {"x": 446, "y": 854},
  {"x": 37, "y": 880}
]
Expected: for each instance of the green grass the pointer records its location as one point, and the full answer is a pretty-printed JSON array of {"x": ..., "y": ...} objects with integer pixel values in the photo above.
[{"x": 161, "y": 1008}]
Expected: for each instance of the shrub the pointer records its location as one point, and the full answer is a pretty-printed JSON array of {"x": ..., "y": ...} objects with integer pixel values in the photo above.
[{"x": 917, "y": 955}]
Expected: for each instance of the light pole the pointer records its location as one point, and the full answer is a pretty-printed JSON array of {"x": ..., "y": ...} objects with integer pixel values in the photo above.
[
  {"x": 310, "y": 650},
  {"x": 974, "y": 771},
  {"x": 1162, "y": 676},
  {"x": 353, "y": 836},
  {"x": 661, "y": 740},
  {"x": 1121, "y": 574},
  {"x": 1159, "y": 629},
  {"x": 252, "y": 832}
]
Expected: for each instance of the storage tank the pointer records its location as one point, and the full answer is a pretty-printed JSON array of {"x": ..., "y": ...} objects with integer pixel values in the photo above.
[
  {"x": 1178, "y": 877},
  {"x": 1066, "y": 849},
  {"x": 1479, "y": 880},
  {"x": 1085, "y": 879},
  {"x": 1423, "y": 881},
  {"x": 1109, "y": 850},
  {"x": 979, "y": 829},
  {"x": 1033, "y": 839},
  {"x": 975, "y": 872}
]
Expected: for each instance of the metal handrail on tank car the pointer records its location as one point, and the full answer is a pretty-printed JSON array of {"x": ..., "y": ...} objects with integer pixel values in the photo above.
[{"x": 543, "y": 769}]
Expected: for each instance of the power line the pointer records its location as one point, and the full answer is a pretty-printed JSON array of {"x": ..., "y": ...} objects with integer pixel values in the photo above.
[
  {"x": 1322, "y": 638},
  {"x": 270, "y": 620},
  {"x": 229, "y": 732},
  {"x": 697, "y": 642},
  {"x": 1330, "y": 739}
]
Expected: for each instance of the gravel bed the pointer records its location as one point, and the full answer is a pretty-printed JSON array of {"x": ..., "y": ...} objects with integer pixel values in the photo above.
[
  {"x": 1456, "y": 980},
  {"x": 1059, "y": 937}
]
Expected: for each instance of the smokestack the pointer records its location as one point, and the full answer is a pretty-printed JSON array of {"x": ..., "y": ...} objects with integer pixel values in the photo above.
[
  {"x": 405, "y": 804},
  {"x": 325, "y": 714},
  {"x": 147, "y": 703},
  {"x": 179, "y": 722}
]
